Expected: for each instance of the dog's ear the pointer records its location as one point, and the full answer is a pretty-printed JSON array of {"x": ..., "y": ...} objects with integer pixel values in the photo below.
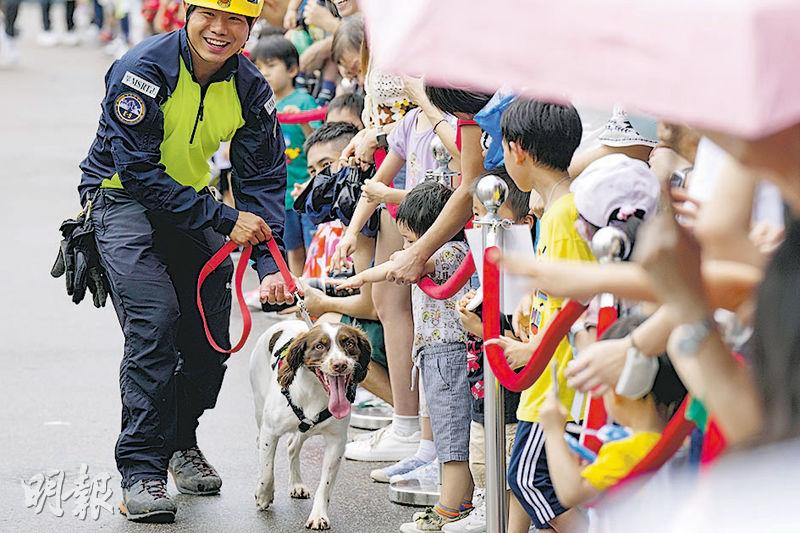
[
  {"x": 364, "y": 356},
  {"x": 273, "y": 340},
  {"x": 293, "y": 361}
]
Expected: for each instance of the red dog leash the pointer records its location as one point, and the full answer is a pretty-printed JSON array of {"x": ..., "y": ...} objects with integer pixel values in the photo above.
[{"x": 247, "y": 320}]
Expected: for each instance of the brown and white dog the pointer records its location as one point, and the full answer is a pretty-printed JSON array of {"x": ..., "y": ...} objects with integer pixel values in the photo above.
[{"x": 298, "y": 376}]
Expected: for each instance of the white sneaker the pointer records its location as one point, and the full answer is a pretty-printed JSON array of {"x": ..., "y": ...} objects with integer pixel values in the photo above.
[
  {"x": 383, "y": 445},
  {"x": 474, "y": 522},
  {"x": 382, "y": 475},
  {"x": 427, "y": 474},
  {"x": 71, "y": 38},
  {"x": 47, "y": 39},
  {"x": 366, "y": 435}
]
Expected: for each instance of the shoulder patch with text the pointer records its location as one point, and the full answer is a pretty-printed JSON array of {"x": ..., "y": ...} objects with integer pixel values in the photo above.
[
  {"x": 129, "y": 108},
  {"x": 270, "y": 105},
  {"x": 140, "y": 84}
]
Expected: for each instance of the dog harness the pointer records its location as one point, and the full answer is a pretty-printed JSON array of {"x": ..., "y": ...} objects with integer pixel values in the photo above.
[{"x": 305, "y": 422}]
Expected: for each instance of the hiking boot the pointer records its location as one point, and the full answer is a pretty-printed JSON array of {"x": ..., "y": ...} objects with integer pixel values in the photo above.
[
  {"x": 147, "y": 501},
  {"x": 193, "y": 474}
]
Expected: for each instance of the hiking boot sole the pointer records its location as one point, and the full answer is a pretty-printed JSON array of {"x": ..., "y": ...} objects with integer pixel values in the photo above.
[{"x": 155, "y": 517}]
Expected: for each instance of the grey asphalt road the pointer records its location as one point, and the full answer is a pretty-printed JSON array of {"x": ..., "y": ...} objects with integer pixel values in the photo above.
[{"x": 58, "y": 379}]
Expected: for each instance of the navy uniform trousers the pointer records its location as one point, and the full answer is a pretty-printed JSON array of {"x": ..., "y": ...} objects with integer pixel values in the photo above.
[{"x": 169, "y": 373}]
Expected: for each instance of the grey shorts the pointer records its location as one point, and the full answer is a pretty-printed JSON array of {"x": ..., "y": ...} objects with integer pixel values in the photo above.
[{"x": 444, "y": 378}]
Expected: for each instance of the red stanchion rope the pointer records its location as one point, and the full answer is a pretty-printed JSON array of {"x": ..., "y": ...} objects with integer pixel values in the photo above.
[
  {"x": 303, "y": 117},
  {"x": 671, "y": 439},
  {"x": 555, "y": 333},
  {"x": 596, "y": 416},
  {"x": 449, "y": 288},
  {"x": 674, "y": 434},
  {"x": 213, "y": 263}
]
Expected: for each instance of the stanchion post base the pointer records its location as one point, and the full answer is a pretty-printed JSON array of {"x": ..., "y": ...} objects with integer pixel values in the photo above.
[{"x": 413, "y": 493}]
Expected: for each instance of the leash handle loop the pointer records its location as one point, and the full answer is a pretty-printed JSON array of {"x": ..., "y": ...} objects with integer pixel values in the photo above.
[
  {"x": 247, "y": 319},
  {"x": 212, "y": 264}
]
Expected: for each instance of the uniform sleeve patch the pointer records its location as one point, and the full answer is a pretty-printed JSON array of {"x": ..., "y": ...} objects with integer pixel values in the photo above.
[
  {"x": 270, "y": 105},
  {"x": 129, "y": 108},
  {"x": 140, "y": 84}
]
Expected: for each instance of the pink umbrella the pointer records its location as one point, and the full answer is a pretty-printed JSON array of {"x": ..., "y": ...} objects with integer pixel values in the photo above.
[{"x": 726, "y": 65}]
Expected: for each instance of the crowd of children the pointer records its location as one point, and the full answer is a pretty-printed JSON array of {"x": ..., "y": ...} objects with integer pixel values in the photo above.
[{"x": 569, "y": 173}]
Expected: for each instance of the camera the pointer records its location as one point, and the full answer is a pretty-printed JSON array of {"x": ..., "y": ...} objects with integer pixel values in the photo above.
[{"x": 329, "y": 288}]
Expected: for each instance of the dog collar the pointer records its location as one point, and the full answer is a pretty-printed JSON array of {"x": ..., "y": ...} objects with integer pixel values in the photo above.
[{"x": 281, "y": 355}]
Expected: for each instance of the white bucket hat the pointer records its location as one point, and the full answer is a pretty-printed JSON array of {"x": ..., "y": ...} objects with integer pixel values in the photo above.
[{"x": 615, "y": 182}]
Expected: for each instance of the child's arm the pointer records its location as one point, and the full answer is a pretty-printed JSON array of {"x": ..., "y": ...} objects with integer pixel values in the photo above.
[
  {"x": 319, "y": 303},
  {"x": 565, "y": 469},
  {"x": 728, "y": 284},
  {"x": 370, "y": 275},
  {"x": 373, "y": 275}
]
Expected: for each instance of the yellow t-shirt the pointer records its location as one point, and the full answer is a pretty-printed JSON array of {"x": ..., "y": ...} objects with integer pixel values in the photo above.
[
  {"x": 558, "y": 239},
  {"x": 617, "y": 458}
]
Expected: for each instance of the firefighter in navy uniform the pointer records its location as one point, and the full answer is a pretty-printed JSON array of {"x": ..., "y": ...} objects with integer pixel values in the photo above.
[{"x": 169, "y": 103}]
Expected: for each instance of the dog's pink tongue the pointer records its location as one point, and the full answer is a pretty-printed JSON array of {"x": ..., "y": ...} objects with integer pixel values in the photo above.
[{"x": 337, "y": 403}]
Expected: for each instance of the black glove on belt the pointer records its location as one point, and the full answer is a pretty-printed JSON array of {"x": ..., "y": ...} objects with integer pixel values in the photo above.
[{"x": 79, "y": 259}]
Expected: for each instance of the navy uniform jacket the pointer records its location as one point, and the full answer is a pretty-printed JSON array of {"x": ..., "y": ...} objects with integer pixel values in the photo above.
[{"x": 159, "y": 127}]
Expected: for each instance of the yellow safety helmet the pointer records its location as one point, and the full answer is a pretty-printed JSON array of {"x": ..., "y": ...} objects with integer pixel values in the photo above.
[{"x": 246, "y": 8}]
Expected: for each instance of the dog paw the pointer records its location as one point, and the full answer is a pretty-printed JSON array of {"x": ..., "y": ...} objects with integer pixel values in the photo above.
[
  {"x": 318, "y": 522},
  {"x": 299, "y": 491},
  {"x": 264, "y": 498}
]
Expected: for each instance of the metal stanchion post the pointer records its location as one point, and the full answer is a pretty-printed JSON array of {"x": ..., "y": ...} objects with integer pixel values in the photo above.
[
  {"x": 492, "y": 192},
  {"x": 609, "y": 245},
  {"x": 442, "y": 172}
]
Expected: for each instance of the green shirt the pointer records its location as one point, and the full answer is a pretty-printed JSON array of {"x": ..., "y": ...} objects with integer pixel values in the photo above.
[
  {"x": 696, "y": 412},
  {"x": 297, "y": 171}
]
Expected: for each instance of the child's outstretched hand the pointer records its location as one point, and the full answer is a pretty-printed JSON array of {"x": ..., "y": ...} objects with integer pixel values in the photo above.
[
  {"x": 353, "y": 282},
  {"x": 517, "y": 353},
  {"x": 552, "y": 414},
  {"x": 469, "y": 319}
]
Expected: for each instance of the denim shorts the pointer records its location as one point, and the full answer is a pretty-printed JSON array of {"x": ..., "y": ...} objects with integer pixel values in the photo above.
[
  {"x": 297, "y": 230},
  {"x": 444, "y": 378}
]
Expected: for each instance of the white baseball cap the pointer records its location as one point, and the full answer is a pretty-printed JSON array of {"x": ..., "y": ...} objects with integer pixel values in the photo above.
[{"x": 615, "y": 182}]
